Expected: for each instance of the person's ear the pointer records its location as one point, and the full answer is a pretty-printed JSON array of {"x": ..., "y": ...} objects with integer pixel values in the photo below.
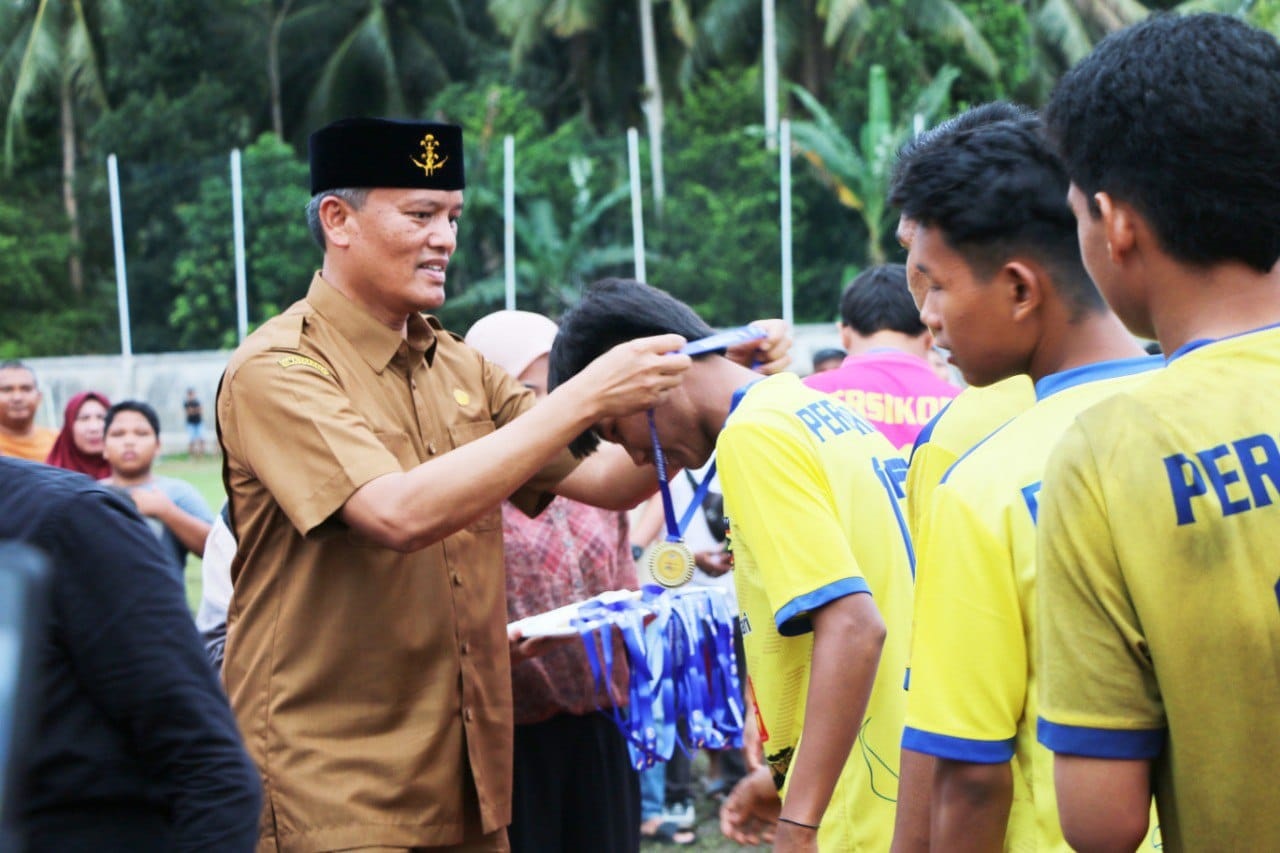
[
  {"x": 335, "y": 219},
  {"x": 1118, "y": 226},
  {"x": 1026, "y": 285},
  {"x": 846, "y": 336}
]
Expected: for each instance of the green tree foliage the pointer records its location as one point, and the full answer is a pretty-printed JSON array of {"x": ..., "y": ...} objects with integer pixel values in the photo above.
[
  {"x": 176, "y": 115},
  {"x": 40, "y": 315},
  {"x": 170, "y": 86},
  {"x": 371, "y": 57},
  {"x": 280, "y": 255},
  {"x": 557, "y": 252},
  {"x": 858, "y": 170},
  {"x": 571, "y": 224},
  {"x": 52, "y": 46},
  {"x": 719, "y": 245}
]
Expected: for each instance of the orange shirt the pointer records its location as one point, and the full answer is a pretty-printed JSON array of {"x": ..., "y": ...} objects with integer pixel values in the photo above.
[
  {"x": 366, "y": 682},
  {"x": 34, "y": 446}
]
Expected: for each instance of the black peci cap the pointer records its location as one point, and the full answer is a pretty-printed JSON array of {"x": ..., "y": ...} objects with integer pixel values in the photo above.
[{"x": 379, "y": 152}]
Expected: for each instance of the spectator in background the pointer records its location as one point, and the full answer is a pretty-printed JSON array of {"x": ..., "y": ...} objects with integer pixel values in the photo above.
[
  {"x": 135, "y": 748},
  {"x": 887, "y": 377},
  {"x": 78, "y": 446},
  {"x": 828, "y": 358},
  {"x": 174, "y": 509},
  {"x": 574, "y": 785},
  {"x": 19, "y": 400},
  {"x": 194, "y": 415}
]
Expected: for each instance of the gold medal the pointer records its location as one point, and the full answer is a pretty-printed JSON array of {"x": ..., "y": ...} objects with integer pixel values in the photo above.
[{"x": 671, "y": 563}]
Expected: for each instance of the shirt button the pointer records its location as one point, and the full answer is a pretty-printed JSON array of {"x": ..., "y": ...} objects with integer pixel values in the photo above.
[
  {"x": 457, "y": 579},
  {"x": 466, "y": 714},
  {"x": 413, "y": 385},
  {"x": 463, "y": 647},
  {"x": 431, "y": 448}
]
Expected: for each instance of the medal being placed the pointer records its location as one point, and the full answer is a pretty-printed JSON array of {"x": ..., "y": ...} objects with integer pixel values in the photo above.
[{"x": 671, "y": 563}]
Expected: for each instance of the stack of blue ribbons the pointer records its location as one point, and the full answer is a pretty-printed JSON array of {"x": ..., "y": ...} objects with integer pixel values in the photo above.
[{"x": 681, "y": 665}]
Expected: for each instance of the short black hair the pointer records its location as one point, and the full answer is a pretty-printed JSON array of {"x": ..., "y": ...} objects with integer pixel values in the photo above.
[
  {"x": 969, "y": 119},
  {"x": 994, "y": 190},
  {"x": 1178, "y": 116},
  {"x": 613, "y": 311},
  {"x": 138, "y": 406},
  {"x": 828, "y": 354},
  {"x": 15, "y": 364},
  {"x": 878, "y": 300}
]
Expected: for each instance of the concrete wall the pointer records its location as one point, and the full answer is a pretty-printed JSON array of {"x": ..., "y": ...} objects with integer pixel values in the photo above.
[{"x": 162, "y": 380}]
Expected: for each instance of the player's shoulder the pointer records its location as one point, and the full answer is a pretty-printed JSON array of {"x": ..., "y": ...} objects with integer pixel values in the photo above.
[
  {"x": 1116, "y": 420},
  {"x": 783, "y": 405},
  {"x": 976, "y": 413}
]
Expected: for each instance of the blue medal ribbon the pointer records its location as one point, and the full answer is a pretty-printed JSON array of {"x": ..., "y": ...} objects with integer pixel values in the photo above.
[
  {"x": 682, "y": 664},
  {"x": 723, "y": 340},
  {"x": 676, "y": 529},
  {"x": 712, "y": 343}
]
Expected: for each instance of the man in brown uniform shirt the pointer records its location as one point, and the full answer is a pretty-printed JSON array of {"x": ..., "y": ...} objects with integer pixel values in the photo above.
[{"x": 366, "y": 452}]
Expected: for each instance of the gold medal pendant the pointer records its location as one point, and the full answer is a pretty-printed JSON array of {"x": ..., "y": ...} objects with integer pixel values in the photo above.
[{"x": 671, "y": 564}]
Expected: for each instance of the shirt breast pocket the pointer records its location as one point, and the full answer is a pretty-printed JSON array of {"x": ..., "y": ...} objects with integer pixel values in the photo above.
[
  {"x": 400, "y": 446},
  {"x": 465, "y": 433}
]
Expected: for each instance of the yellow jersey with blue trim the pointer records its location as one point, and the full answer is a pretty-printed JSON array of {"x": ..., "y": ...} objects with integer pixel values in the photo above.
[
  {"x": 1159, "y": 587},
  {"x": 813, "y": 495},
  {"x": 970, "y": 417},
  {"x": 972, "y": 691}
]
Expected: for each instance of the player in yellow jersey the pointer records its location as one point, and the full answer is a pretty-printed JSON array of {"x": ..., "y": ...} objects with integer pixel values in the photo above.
[
  {"x": 966, "y": 420},
  {"x": 963, "y": 423},
  {"x": 1160, "y": 516},
  {"x": 812, "y": 495},
  {"x": 1000, "y": 283},
  {"x": 976, "y": 412}
]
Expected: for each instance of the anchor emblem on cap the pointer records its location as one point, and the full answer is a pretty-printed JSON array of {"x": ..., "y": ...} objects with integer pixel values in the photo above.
[{"x": 430, "y": 160}]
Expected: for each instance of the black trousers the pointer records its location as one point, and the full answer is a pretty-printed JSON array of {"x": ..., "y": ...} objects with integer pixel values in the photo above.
[{"x": 575, "y": 789}]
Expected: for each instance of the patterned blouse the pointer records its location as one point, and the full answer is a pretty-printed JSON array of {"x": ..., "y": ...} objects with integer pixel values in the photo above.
[{"x": 568, "y": 553}]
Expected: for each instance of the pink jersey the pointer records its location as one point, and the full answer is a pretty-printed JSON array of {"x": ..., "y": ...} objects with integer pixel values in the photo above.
[{"x": 896, "y": 391}]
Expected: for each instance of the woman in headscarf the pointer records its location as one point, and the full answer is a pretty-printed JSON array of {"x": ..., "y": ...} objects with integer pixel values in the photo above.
[{"x": 79, "y": 444}]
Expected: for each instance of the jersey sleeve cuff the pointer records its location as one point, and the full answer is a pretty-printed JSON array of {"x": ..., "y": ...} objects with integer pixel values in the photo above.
[
  {"x": 1100, "y": 743},
  {"x": 958, "y": 748},
  {"x": 793, "y": 619}
]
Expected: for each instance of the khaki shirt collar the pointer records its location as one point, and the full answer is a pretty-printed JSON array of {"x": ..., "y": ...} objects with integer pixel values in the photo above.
[{"x": 376, "y": 343}]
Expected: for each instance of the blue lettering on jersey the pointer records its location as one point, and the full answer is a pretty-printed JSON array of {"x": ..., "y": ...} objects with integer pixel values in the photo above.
[
  {"x": 1031, "y": 494},
  {"x": 892, "y": 474},
  {"x": 1255, "y": 458},
  {"x": 827, "y": 418},
  {"x": 896, "y": 469}
]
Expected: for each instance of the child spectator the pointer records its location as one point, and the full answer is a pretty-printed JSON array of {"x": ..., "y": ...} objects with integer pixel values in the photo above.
[{"x": 174, "y": 509}]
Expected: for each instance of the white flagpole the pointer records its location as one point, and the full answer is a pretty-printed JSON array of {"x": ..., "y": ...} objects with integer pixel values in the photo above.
[
  {"x": 122, "y": 278},
  {"x": 637, "y": 203},
  {"x": 509, "y": 217},
  {"x": 770, "y": 62},
  {"x": 237, "y": 227},
  {"x": 784, "y": 167}
]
